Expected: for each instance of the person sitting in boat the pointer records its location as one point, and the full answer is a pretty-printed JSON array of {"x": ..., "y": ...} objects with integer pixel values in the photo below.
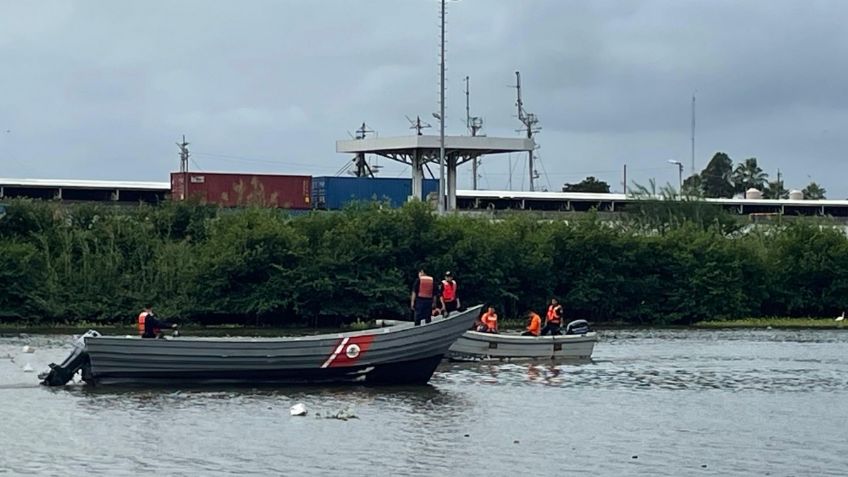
[
  {"x": 533, "y": 329},
  {"x": 151, "y": 327},
  {"x": 553, "y": 319},
  {"x": 489, "y": 321}
]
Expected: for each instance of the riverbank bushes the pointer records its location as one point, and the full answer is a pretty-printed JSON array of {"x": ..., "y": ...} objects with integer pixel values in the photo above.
[{"x": 66, "y": 263}]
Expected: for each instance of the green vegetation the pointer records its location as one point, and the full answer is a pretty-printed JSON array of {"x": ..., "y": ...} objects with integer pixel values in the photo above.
[
  {"x": 825, "y": 323},
  {"x": 720, "y": 179},
  {"x": 666, "y": 262}
]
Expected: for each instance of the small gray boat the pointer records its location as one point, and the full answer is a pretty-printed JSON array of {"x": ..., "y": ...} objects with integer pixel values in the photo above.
[
  {"x": 402, "y": 354},
  {"x": 575, "y": 346}
]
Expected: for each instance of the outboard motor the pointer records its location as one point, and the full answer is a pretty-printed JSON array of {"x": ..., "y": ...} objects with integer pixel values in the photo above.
[
  {"x": 61, "y": 374},
  {"x": 577, "y": 327}
]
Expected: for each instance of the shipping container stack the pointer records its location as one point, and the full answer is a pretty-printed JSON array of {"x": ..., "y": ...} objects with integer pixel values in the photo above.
[
  {"x": 333, "y": 192},
  {"x": 239, "y": 190}
]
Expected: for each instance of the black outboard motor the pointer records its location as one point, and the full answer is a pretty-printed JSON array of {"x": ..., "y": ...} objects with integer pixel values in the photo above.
[
  {"x": 577, "y": 327},
  {"x": 61, "y": 374}
]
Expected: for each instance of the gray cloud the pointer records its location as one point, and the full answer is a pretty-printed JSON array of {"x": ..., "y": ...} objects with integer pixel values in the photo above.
[{"x": 103, "y": 89}]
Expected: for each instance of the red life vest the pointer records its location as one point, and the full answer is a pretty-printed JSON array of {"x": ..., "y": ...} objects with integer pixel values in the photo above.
[
  {"x": 425, "y": 287},
  {"x": 142, "y": 317},
  {"x": 553, "y": 315},
  {"x": 448, "y": 290}
]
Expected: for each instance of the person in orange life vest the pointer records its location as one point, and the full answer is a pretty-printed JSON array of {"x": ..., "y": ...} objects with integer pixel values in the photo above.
[
  {"x": 489, "y": 321},
  {"x": 149, "y": 326},
  {"x": 553, "y": 318},
  {"x": 535, "y": 325},
  {"x": 450, "y": 300},
  {"x": 421, "y": 299}
]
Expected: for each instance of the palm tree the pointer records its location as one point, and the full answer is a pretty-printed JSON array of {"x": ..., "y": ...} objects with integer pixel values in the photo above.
[
  {"x": 749, "y": 175},
  {"x": 814, "y": 191}
]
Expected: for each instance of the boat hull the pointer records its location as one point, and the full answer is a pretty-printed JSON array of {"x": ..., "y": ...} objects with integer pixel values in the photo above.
[
  {"x": 474, "y": 345},
  {"x": 402, "y": 354}
]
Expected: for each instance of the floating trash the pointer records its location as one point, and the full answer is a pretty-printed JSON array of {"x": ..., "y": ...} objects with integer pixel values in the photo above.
[
  {"x": 28, "y": 349},
  {"x": 343, "y": 415},
  {"x": 298, "y": 410},
  {"x": 28, "y": 368}
]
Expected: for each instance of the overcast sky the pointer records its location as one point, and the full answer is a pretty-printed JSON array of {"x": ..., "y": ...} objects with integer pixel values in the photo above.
[{"x": 103, "y": 89}]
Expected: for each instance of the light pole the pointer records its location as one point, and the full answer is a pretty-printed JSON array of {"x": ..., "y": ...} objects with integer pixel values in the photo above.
[
  {"x": 442, "y": 179},
  {"x": 679, "y": 174}
]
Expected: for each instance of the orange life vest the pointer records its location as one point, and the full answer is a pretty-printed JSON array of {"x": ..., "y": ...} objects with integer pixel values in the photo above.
[
  {"x": 554, "y": 312},
  {"x": 425, "y": 287},
  {"x": 142, "y": 317},
  {"x": 448, "y": 290},
  {"x": 490, "y": 320},
  {"x": 535, "y": 324}
]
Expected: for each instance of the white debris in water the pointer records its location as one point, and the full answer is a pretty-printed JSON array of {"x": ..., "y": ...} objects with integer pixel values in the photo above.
[
  {"x": 28, "y": 368},
  {"x": 28, "y": 349},
  {"x": 298, "y": 410}
]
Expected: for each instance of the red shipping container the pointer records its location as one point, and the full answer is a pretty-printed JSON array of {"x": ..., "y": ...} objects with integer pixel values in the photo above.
[{"x": 238, "y": 190}]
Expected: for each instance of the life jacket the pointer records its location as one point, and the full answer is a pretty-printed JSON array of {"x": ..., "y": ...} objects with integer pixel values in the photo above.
[
  {"x": 425, "y": 287},
  {"x": 491, "y": 321},
  {"x": 142, "y": 317},
  {"x": 448, "y": 290},
  {"x": 535, "y": 324},
  {"x": 553, "y": 315}
]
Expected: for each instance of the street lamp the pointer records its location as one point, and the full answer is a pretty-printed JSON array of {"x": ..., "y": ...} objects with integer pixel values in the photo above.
[{"x": 679, "y": 174}]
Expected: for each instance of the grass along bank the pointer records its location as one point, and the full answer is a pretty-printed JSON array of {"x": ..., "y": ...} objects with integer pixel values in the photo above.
[{"x": 775, "y": 322}]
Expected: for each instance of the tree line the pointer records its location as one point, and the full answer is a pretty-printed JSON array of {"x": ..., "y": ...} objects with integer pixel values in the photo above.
[
  {"x": 663, "y": 262},
  {"x": 720, "y": 179}
]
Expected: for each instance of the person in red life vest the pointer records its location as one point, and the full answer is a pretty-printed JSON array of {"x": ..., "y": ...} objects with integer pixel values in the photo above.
[
  {"x": 421, "y": 299},
  {"x": 533, "y": 329},
  {"x": 450, "y": 300},
  {"x": 553, "y": 318},
  {"x": 151, "y": 327},
  {"x": 489, "y": 321}
]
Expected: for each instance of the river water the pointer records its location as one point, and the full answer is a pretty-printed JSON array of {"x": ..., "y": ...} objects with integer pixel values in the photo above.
[{"x": 653, "y": 402}]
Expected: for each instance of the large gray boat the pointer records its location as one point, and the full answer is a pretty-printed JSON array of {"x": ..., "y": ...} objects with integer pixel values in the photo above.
[{"x": 402, "y": 354}]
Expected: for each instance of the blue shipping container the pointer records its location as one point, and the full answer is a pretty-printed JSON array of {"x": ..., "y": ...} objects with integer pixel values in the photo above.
[{"x": 331, "y": 192}]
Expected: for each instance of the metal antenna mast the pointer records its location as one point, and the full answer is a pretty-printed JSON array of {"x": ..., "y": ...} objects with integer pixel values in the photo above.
[
  {"x": 531, "y": 127},
  {"x": 442, "y": 178},
  {"x": 184, "y": 156},
  {"x": 362, "y": 167},
  {"x": 417, "y": 125},
  {"x": 474, "y": 124}
]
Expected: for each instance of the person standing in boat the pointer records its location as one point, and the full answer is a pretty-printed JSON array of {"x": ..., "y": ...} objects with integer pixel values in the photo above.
[
  {"x": 421, "y": 301},
  {"x": 533, "y": 329},
  {"x": 553, "y": 319},
  {"x": 151, "y": 327},
  {"x": 449, "y": 298}
]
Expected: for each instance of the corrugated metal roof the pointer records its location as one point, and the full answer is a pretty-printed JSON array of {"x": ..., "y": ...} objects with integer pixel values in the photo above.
[{"x": 85, "y": 184}]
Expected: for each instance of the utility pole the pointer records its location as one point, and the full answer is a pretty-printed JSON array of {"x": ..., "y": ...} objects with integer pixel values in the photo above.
[
  {"x": 530, "y": 122},
  {"x": 693, "y": 134},
  {"x": 184, "y": 155},
  {"x": 442, "y": 179},
  {"x": 473, "y": 124},
  {"x": 625, "y": 179}
]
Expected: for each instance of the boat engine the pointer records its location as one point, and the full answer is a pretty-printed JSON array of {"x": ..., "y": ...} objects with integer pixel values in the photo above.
[
  {"x": 61, "y": 374},
  {"x": 577, "y": 327}
]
